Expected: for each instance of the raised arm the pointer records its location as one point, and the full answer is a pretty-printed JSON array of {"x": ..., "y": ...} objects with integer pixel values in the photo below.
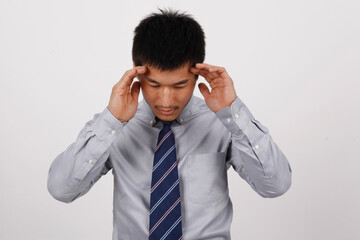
[
  {"x": 252, "y": 151},
  {"x": 74, "y": 171}
]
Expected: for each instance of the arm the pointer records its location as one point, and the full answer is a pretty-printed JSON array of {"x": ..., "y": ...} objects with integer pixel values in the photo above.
[
  {"x": 252, "y": 152},
  {"x": 74, "y": 171}
]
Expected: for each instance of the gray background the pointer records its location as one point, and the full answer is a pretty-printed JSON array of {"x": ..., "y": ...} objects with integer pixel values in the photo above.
[{"x": 295, "y": 64}]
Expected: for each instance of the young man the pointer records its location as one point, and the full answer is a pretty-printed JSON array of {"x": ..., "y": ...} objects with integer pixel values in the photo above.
[{"x": 170, "y": 153}]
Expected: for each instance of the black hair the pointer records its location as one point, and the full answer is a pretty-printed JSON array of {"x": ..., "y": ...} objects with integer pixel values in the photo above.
[{"x": 168, "y": 41}]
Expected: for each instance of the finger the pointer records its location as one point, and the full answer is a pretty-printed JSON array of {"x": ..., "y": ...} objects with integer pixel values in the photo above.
[
  {"x": 221, "y": 71},
  {"x": 208, "y": 75},
  {"x": 203, "y": 73},
  {"x": 194, "y": 70},
  {"x": 135, "y": 90},
  {"x": 133, "y": 73},
  {"x": 129, "y": 75},
  {"x": 204, "y": 90},
  {"x": 214, "y": 70},
  {"x": 217, "y": 83},
  {"x": 203, "y": 65}
]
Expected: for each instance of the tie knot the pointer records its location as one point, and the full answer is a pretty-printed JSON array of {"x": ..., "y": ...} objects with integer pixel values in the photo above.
[{"x": 166, "y": 127}]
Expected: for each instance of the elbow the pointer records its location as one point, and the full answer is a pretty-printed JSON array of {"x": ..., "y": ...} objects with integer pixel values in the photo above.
[
  {"x": 60, "y": 193},
  {"x": 59, "y": 184},
  {"x": 276, "y": 191},
  {"x": 277, "y": 186}
]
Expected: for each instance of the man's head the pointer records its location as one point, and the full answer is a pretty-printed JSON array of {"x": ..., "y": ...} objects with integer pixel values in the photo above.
[{"x": 168, "y": 44}]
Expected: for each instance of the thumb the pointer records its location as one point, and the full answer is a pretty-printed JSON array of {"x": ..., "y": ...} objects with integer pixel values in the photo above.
[
  {"x": 204, "y": 90},
  {"x": 135, "y": 90}
]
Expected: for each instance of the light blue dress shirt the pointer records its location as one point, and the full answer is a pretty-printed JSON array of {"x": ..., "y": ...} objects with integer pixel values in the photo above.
[{"x": 207, "y": 144}]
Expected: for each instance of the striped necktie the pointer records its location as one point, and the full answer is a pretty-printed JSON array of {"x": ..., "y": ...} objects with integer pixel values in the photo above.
[{"x": 165, "y": 203}]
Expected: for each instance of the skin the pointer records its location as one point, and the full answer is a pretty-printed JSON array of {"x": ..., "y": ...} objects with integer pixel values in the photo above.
[{"x": 167, "y": 93}]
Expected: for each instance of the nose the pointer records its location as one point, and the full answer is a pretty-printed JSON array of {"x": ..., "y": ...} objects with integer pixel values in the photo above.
[{"x": 166, "y": 97}]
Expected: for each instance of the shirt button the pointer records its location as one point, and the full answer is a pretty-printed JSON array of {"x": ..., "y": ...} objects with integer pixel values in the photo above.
[
  {"x": 256, "y": 146},
  {"x": 236, "y": 115},
  {"x": 181, "y": 120},
  {"x": 90, "y": 161},
  {"x": 228, "y": 120},
  {"x": 151, "y": 122},
  {"x": 113, "y": 132}
]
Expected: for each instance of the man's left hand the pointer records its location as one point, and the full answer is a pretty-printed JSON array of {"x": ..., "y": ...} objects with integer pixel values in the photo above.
[{"x": 222, "y": 92}]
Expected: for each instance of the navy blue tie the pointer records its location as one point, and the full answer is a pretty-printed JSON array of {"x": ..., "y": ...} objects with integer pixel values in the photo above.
[{"x": 165, "y": 201}]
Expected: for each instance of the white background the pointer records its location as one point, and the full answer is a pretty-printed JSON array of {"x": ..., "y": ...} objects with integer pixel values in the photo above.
[{"x": 295, "y": 65}]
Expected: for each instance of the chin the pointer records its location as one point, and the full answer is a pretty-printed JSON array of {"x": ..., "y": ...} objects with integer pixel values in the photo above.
[{"x": 166, "y": 118}]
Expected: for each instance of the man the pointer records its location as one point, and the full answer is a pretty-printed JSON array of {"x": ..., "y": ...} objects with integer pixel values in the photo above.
[{"x": 170, "y": 153}]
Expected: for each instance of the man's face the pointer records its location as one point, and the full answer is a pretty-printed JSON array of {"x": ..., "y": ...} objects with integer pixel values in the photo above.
[{"x": 167, "y": 92}]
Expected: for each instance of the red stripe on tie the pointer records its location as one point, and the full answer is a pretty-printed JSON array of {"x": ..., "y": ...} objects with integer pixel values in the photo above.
[
  {"x": 163, "y": 177},
  {"x": 162, "y": 140}
]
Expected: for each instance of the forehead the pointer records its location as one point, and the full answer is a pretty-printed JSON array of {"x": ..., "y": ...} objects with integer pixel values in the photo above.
[{"x": 169, "y": 77}]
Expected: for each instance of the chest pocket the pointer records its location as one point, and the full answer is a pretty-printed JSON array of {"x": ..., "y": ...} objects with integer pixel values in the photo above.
[{"x": 207, "y": 178}]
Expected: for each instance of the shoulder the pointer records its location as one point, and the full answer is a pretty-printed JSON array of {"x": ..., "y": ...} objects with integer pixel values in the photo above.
[
  {"x": 199, "y": 108},
  {"x": 200, "y": 103}
]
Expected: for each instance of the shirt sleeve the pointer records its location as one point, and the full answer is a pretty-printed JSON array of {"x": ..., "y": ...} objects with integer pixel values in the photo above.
[
  {"x": 253, "y": 153},
  {"x": 74, "y": 171}
]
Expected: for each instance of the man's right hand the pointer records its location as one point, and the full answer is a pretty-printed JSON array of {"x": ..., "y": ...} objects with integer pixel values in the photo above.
[{"x": 124, "y": 97}]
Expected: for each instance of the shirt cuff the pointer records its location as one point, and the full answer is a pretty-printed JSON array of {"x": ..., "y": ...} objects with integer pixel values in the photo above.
[
  {"x": 107, "y": 124},
  {"x": 236, "y": 117}
]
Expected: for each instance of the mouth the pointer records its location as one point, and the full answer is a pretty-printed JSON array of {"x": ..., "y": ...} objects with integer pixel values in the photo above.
[{"x": 166, "y": 111}]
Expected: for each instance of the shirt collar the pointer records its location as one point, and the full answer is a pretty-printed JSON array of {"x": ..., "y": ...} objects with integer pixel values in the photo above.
[{"x": 150, "y": 118}]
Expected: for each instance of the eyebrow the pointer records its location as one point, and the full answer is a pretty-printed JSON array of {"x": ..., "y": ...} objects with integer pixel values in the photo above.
[{"x": 178, "y": 83}]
